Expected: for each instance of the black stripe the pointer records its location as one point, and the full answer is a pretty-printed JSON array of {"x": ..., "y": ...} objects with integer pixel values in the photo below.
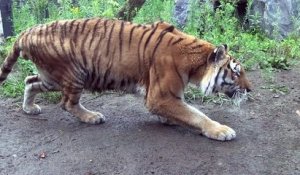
[
  {"x": 148, "y": 39},
  {"x": 225, "y": 74},
  {"x": 61, "y": 40},
  {"x": 47, "y": 38},
  {"x": 123, "y": 83},
  {"x": 73, "y": 101},
  {"x": 43, "y": 44},
  {"x": 54, "y": 29},
  {"x": 45, "y": 86},
  {"x": 194, "y": 52},
  {"x": 54, "y": 48},
  {"x": 170, "y": 40},
  {"x": 160, "y": 38},
  {"x": 75, "y": 36},
  {"x": 105, "y": 27},
  {"x": 63, "y": 30},
  {"x": 130, "y": 35},
  {"x": 197, "y": 46},
  {"x": 226, "y": 83},
  {"x": 32, "y": 80},
  {"x": 177, "y": 41},
  {"x": 139, "y": 45},
  {"x": 93, "y": 77},
  {"x": 39, "y": 47},
  {"x": 121, "y": 38},
  {"x": 71, "y": 25},
  {"x": 216, "y": 78},
  {"x": 194, "y": 41},
  {"x": 170, "y": 28},
  {"x": 94, "y": 33},
  {"x": 84, "y": 25},
  {"x": 98, "y": 66},
  {"x": 72, "y": 56},
  {"x": 107, "y": 73},
  {"x": 207, "y": 88},
  {"x": 178, "y": 74},
  {"x": 82, "y": 50},
  {"x": 109, "y": 38},
  {"x": 228, "y": 66},
  {"x": 97, "y": 51},
  {"x": 96, "y": 83},
  {"x": 110, "y": 85},
  {"x": 46, "y": 32}
]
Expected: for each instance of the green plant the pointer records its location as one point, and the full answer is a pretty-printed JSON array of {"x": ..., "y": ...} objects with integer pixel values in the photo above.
[
  {"x": 253, "y": 48},
  {"x": 192, "y": 94},
  {"x": 155, "y": 10},
  {"x": 278, "y": 89},
  {"x": 52, "y": 97}
]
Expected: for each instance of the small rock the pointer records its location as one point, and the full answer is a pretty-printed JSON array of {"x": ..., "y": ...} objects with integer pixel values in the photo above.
[
  {"x": 42, "y": 155},
  {"x": 89, "y": 173},
  {"x": 276, "y": 96}
]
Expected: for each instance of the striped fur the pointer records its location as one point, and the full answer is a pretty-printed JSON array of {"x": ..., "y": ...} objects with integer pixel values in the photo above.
[{"x": 99, "y": 54}]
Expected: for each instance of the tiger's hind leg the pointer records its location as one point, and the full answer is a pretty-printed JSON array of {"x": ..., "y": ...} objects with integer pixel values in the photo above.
[
  {"x": 34, "y": 85},
  {"x": 71, "y": 103}
]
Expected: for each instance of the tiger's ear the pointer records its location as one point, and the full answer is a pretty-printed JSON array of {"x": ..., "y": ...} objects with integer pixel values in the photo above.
[{"x": 218, "y": 54}]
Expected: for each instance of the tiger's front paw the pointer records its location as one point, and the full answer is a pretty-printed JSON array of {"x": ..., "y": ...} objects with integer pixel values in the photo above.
[
  {"x": 32, "y": 110},
  {"x": 93, "y": 118},
  {"x": 219, "y": 132}
]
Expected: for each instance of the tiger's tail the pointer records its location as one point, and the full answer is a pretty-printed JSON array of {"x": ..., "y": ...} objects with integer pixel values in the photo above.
[{"x": 9, "y": 62}]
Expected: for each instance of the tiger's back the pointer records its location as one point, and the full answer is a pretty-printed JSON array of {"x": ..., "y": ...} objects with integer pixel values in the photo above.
[{"x": 96, "y": 54}]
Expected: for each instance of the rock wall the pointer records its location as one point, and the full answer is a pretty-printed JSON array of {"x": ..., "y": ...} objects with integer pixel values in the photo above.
[
  {"x": 278, "y": 18},
  {"x": 180, "y": 14}
]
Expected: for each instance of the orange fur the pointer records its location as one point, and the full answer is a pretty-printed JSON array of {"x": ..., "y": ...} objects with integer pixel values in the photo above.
[{"x": 99, "y": 54}]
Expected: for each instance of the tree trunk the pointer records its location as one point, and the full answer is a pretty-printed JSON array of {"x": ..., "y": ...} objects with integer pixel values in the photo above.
[
  {"x": 6, "y": 14},
  {"x": 130, "y": 8}
]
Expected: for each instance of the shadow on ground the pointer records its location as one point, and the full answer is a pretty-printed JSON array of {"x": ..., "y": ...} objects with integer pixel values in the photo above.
[{"x": 132, "y": 141}]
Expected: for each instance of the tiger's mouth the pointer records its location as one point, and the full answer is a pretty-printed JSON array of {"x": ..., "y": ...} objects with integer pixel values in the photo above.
[
  {"x": 238, "y": 96},
  {"x": 237, "y": 93}
]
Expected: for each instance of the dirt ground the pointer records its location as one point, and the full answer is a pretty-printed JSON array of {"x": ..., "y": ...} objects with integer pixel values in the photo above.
[{"x": 133, "y": 142}]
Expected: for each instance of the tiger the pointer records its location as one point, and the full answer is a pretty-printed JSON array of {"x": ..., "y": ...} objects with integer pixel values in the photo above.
[{"x": 98, "y": 54}]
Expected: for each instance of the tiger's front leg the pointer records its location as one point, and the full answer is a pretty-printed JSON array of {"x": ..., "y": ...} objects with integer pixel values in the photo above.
[
  {"x": 70, "y": 102},
  {"x": 182, "y": 113}
]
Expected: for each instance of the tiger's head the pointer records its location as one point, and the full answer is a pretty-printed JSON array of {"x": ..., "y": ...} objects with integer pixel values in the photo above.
[{"x": 224, "y": 74}]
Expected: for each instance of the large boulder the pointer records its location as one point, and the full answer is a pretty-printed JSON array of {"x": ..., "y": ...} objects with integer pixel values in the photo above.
[
  {"x": 276, "y": 17},
  {"x": 180, "y": 14}
]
